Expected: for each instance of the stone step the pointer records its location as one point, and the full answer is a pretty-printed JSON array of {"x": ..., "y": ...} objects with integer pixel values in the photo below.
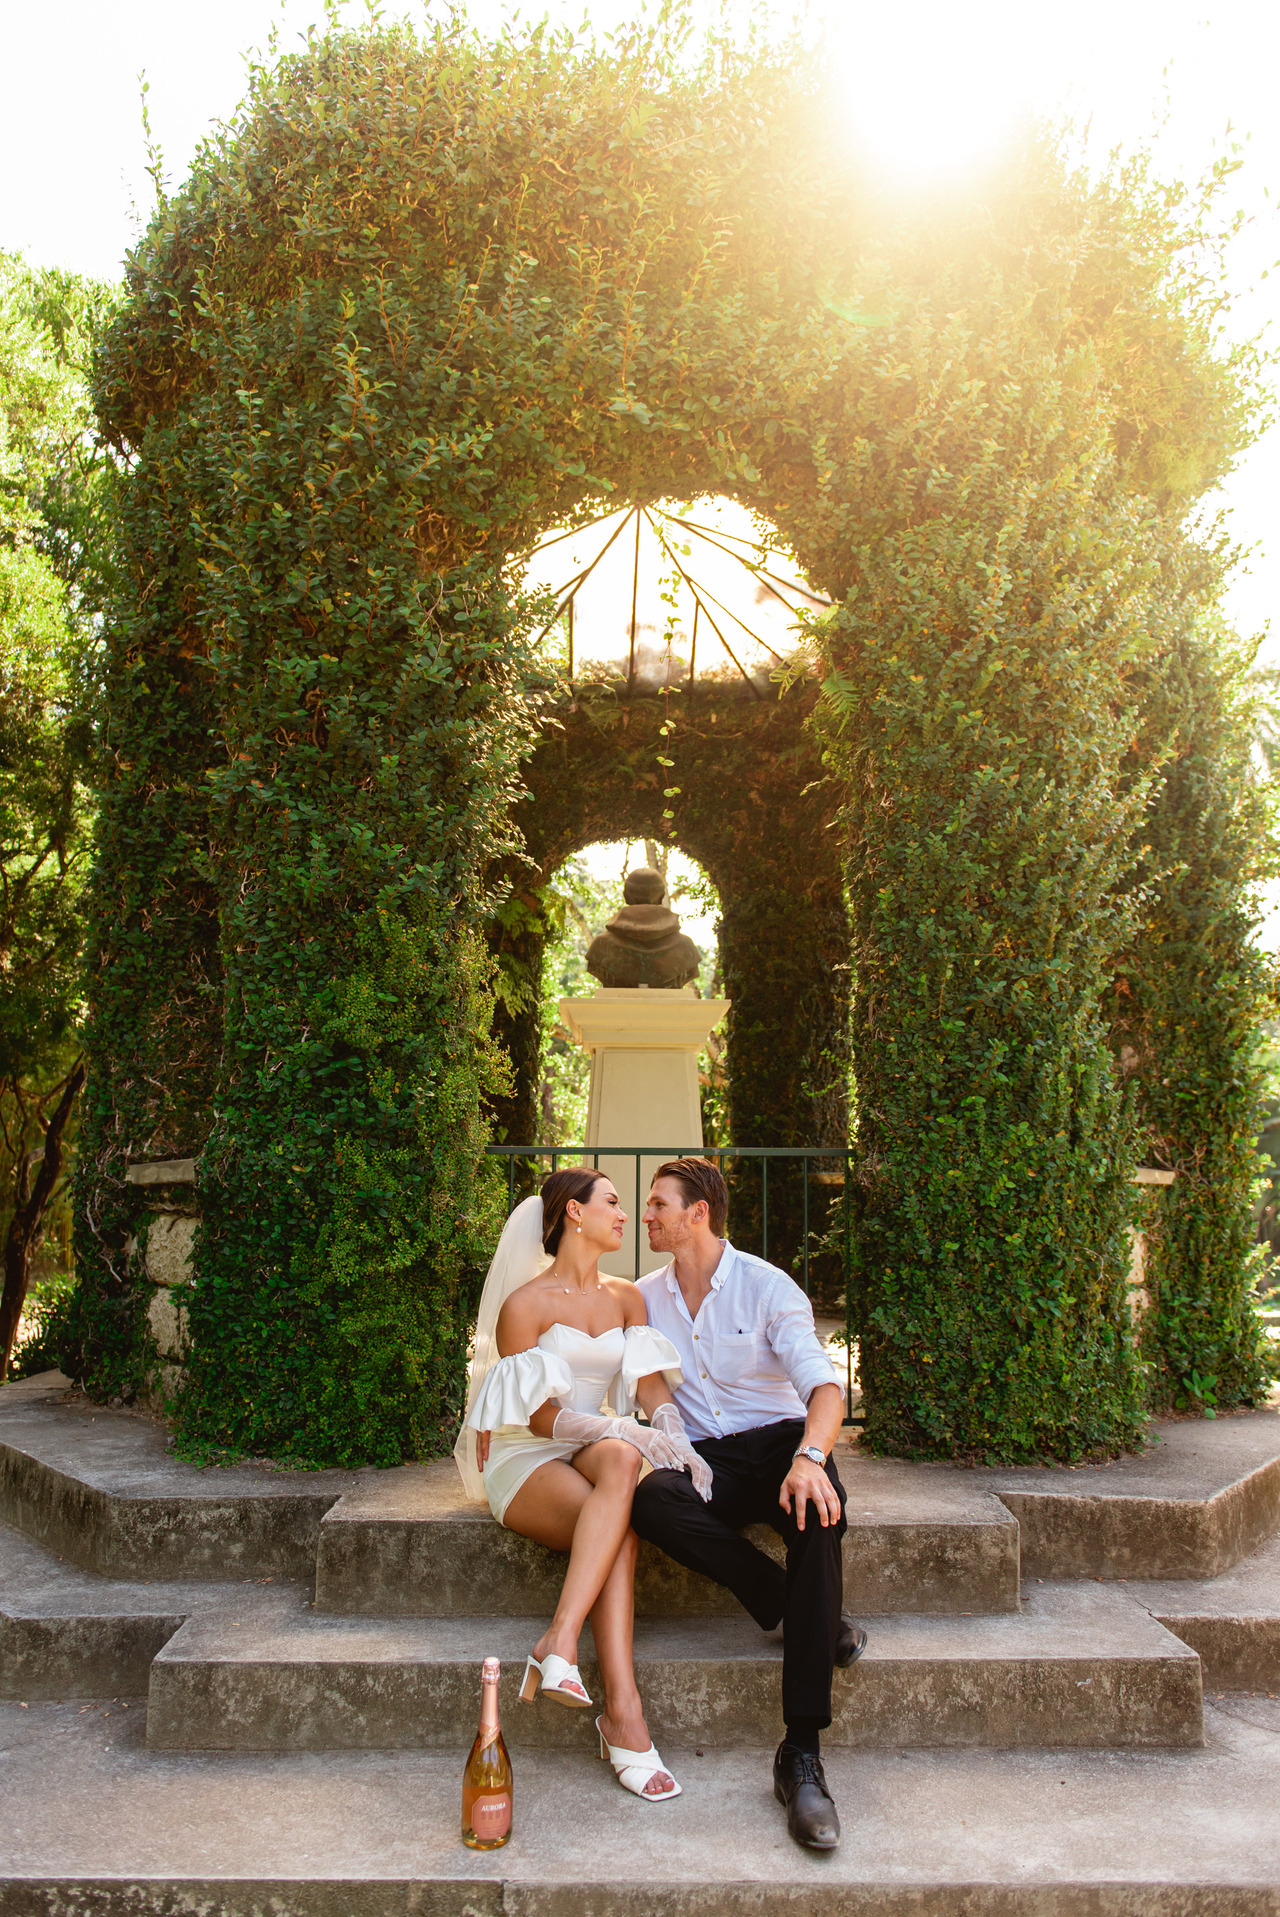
[
  {"x": 97, "y": 1825},
  {"x": 1233, "y": 1622},
  {"x": 1204, "y": 1495},
  {"x": 406, "y": 1543},
  {"x": 65, "y": 1633},
  {"x": 1080, "y": 1666},
  {"x": 101, "y": 1489}
]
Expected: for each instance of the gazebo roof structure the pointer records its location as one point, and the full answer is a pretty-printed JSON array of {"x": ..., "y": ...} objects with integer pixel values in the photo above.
[{"x": 665, "y": 595}]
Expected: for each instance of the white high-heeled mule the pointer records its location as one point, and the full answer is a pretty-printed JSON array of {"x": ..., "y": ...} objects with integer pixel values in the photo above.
[
  {"x": 634, "y": 1769},
  {"x": 554, "y": 1676}
]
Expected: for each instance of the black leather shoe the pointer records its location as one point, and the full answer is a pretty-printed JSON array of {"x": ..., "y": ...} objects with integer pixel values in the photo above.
[
  {"x": 798, "y": 1783},
  {"x": 851, "y": 1642}
]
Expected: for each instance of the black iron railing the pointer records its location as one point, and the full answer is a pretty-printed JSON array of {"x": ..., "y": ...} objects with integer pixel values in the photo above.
[{"x": 811, "y": 1202}]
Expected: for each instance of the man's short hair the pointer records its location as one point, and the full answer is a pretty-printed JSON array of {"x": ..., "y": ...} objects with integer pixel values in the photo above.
[{"x": 699, "y": 1178}]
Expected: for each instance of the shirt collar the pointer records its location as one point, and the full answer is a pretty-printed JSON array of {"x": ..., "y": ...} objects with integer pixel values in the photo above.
[{"x": 718, "y": 1276}]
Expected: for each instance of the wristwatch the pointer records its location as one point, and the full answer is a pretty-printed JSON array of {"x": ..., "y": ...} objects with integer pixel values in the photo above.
[{"x": 811, "y": 1451}]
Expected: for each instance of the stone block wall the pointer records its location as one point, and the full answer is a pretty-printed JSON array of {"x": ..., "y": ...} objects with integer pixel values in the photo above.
[{"x": 170, "y": 1227}]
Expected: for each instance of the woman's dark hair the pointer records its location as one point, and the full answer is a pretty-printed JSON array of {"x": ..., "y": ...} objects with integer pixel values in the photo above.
[{"x": 574, "y": 1183}]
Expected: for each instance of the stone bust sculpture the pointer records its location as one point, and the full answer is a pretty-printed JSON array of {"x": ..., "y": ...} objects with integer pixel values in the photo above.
[{"x": 643, "y": 944}]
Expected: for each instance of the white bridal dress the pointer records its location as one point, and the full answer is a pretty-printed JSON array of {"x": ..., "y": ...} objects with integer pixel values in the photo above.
[{"x": 566, "y": 1366}]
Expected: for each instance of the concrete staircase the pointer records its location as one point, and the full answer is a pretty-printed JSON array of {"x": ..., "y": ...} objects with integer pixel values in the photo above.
[
  {"x": 1076, "y": 1668},
  {"x": 339, "y": 1615}
]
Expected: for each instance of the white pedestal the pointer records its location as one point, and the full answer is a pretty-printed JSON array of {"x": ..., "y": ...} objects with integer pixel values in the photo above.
[{"x": 644, "y": 1049}]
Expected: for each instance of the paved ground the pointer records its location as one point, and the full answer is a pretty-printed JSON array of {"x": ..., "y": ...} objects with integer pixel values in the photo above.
[{"x": 84, "y": 1799}]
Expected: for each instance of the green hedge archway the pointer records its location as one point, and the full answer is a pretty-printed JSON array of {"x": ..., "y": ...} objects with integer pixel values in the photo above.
[
  {"x": 756, "y": 811},
  {"x": 426, "y": 300}
]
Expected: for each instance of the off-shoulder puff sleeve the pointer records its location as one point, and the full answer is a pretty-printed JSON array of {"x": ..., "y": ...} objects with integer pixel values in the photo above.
[
  {"x": 645, "y": 1352},
  {"x": 515, "y": 1387}
]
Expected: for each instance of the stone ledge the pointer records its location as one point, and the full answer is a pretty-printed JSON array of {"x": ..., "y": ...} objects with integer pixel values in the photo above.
[
  {"x": 1233, "y": 1622},
  {"x": 110, "y": 1829},
  {"x": 100, "y": 1488},
  {"x": 65, "y": 1633},
  {"x": 406, "y": 1543},
  {"x": 1204, "y": 1496},
  {"x": 162, "y": 1171},
  {"x": 1079, "y": 1667},
  {"x": 447, "y": 1896}
]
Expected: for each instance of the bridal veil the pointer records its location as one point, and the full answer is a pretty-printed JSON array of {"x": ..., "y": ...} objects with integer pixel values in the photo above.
[{"x": 518, "y": 1258}]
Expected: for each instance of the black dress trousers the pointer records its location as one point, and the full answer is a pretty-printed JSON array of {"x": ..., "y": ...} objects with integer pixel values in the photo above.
[{"x": 806, "y": 1598}]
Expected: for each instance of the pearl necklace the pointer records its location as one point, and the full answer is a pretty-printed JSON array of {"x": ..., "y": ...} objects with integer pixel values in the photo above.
[{"x": 569, "y": 1289}]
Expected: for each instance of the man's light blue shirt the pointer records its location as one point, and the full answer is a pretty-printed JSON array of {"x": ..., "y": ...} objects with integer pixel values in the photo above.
[{"x": 751, "y": 1356}]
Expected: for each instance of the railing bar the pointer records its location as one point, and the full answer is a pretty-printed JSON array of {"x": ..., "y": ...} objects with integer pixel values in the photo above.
[
  {"x": 511, "y": 1184},
  {"x": 764, "y": 1209},
  {"x": 670, "y": 1151},
  {"x": 848, "y": 1301}
]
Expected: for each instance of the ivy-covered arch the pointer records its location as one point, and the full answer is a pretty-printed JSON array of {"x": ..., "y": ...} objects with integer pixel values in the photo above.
[
  {"x": 425, "y": 300},
  {"x": 755, "y": 811}
]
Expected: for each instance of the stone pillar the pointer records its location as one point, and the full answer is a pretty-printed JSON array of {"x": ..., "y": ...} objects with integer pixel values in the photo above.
[
  {"x": 1139, "y": 1296},
  {"x": 170, "y": 1223},
  {"x": 644, "y": 1049}
]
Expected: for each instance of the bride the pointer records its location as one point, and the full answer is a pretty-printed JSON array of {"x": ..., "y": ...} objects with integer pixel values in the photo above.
[{"x": 554, "y": 1340}]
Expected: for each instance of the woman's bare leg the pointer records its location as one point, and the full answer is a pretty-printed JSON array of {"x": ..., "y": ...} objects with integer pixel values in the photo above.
[
  {"x": 550, "y": 1507},
  {"x": 584, "y": 1509},
  {"x": 612, "y": 1627}
]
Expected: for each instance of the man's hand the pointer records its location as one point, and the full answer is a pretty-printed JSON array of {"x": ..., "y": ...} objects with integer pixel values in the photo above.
[{"x": 807, "y": 1483}]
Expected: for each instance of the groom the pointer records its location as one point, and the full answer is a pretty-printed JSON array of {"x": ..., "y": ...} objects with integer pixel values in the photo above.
[{"x": 761, "y": 1403}]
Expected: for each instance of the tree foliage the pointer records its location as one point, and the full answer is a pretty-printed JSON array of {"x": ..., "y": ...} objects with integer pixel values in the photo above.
[{"x": 52, "y": 559}]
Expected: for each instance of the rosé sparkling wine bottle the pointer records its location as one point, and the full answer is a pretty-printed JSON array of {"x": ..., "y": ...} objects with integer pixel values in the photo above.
[{"x": 486, "y": 1782}]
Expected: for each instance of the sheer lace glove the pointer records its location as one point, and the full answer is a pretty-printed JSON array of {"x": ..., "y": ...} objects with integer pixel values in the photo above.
[
  {"x": 588, "y": 1427},
  {"x": 668, "y": 1421}
]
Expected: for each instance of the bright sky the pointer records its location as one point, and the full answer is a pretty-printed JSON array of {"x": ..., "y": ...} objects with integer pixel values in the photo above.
[{"x": 931, "y": 88}]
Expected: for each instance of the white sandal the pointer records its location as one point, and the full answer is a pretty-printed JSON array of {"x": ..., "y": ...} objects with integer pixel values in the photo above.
[
  {"x": 635, "y": 1768},
  {"x": 557, "y": 1678}
]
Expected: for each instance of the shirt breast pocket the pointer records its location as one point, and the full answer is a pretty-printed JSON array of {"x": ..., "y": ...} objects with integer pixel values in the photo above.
[{"x": 741, "y": 1355}]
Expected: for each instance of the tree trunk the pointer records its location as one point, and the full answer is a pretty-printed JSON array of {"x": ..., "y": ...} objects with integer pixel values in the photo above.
[{"x": 28, "y": 1217}]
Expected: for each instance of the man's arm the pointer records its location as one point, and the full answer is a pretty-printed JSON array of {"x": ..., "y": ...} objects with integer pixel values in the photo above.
[
  {"x": 651, "y": 1392},
  {"x": 790, "y": 1330},
  {"x": 799, "y": 1349},
  {"x": 807, "y": 1481}
]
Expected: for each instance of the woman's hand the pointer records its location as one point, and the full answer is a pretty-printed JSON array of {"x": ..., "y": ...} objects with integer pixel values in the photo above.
[
  {"x": 482, "y": 1449},
  {"x": 666, "y": 1419},
  {"x": 589, "y": 1427}
]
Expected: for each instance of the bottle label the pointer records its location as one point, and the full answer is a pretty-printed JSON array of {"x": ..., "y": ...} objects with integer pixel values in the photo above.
[
  {"x": 485, "y": 1736},
  {"x": 491, "y": 1816}
]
